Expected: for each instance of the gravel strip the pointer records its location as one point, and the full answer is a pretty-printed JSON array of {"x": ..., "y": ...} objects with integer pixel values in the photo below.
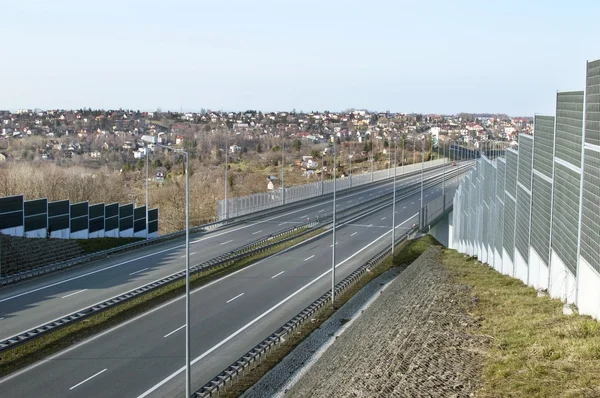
[
  {"x": 298, "y": 362},
  {"x": 411, "y": 342}
]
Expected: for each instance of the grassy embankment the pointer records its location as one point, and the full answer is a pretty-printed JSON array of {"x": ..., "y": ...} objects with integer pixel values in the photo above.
[{"x": 535, "y": 350}]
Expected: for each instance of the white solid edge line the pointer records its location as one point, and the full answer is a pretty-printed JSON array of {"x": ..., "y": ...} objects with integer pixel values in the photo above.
[
  {"x": 157, "y": 308},
  {"x": 11, "y": 376},
  {"x": 138, "y": 271},
  {"x": 306, "y": 259},
  {"x": 74, "y": 293},
  {"x": 167, "y": 250},
  {"x": 264, "y": 314},
  {"x": 81, "y": 276},
  {"x": 238, "y": 296},
  {"x": 273, "y": 277},
  {"x": 88, "y": 379},
  {"x": 92, "y": 338},
  {"x": 174, "y": 331}
]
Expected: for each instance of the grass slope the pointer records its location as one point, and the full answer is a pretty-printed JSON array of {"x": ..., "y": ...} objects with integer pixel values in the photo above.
[{"x": 535, "y": 350}]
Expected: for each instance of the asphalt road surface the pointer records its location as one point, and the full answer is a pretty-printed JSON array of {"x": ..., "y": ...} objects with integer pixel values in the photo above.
[
  {"x": 30, "y": 304},
  {"x": 145, "y": 356}
]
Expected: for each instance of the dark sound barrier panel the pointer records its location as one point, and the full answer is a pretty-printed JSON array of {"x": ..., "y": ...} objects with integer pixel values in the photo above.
[
  {"x": 35, "y": 207},
  {"x": 139, "y": 212},
  {"x": 79, "y": 210},
  {"x": 126, "y": 211},
  {"x": 139, "y": 225},
  {"x": 11, "y": 203},
  {"x": 33, "y": 223},
  {"x": 96, "y": 224},
  {"x": 59, "y": 222},
  {"x": 125, "y": 223},
  {"x": 111, "y": 210},
  {"x": 152, "y": 227},
  {"x": 153, "y": 215},
  {"x": 59, "y": 208},
  {"x": 11, "y": 220},
  {"x": 111, "y": 223},
  {"x": 96, "y": 211},
  {"x": 79, "y": 224}
]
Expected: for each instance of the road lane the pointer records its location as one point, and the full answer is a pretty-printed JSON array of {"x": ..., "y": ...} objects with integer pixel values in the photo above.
[
  {"x": 137, "y": 356},
  {"x": 30, "y": 305}
]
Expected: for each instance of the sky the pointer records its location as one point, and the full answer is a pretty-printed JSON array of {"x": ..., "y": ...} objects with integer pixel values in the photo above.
[{"x": 425, "y": 56}]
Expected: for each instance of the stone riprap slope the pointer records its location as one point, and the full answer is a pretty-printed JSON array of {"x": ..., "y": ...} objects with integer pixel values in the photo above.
[
  {"x": 22, "y": 254},
  {"x": 413, "y": 341}
]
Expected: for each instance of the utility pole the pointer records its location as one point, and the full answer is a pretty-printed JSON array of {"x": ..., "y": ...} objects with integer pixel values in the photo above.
[
  {"x": 147, "y": 188},
  {"x": 444, "y": 174},
  {"x": 282, "y": 173},
  {"x": 350, "y": 156},
  {"x": 333, "y": 233},
  {"x": 226, "y": 175},
  {"x": 188, "y": 383},
  {"x": 394, "y": 199},
  {"x": 402, "y": 157},
  {"x": 422, "y": 166}
]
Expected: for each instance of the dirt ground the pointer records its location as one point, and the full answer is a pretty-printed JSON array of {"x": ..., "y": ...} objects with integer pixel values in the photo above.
[{"x": 411, "y": 342}]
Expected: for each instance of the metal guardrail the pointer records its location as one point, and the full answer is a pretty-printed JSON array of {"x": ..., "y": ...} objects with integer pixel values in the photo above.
[
  {"x": 28, "y": 274},
  {"x": 253, "y": 357},
  {"x": 237, "y": 254},
  {"x": 246, "y": 250}
]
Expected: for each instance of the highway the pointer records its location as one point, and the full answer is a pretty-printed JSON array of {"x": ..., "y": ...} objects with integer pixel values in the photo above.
[
  {"x": 145, "y": 356},
  {"x": 33, "y": 303}
]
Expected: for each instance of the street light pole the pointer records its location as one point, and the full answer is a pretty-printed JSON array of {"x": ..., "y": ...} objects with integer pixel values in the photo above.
[
  {"x": 372, "y": 159},
  {"x": 147, "y": 189},
  {"x": 226, "y": 176},
  {"x": 333, "y": 233},
  {"x": 402, "y": 157},
  {"x": 444, "y": 174},
  {"x": 282, "y": 174},
  {"x": 350, "y": 156},
  {"x": 394, "y": 200},
  {"x": 389, "y": 160},
  {"x": 187, "y": 276},
  {"x": 188, "y": 383},
  {"x": 422, "y": 167}
]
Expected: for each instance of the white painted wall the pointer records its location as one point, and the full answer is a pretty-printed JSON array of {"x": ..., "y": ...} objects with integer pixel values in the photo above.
[
  {"x": 38, "y": 233},
  {"x": 588, "y": 301}
]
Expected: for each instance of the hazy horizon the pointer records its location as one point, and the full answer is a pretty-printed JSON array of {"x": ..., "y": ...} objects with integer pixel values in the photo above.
[{"x": 432, "y": 57}]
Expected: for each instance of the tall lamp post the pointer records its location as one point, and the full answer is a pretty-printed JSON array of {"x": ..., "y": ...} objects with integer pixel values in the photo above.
[
  {"x": 402, "y": 155},
  {"x": 422, "y": 167},
  {"x": 444, "y": 173},
  {"x": 187, "y": 266},
  {"x": 147, "y": 188},
  {"x": 333, "y": 233},
  {"x": 394, "y": 199},
  {"x": 282, "y": 173},
  {"x": 226, "y": 175}
]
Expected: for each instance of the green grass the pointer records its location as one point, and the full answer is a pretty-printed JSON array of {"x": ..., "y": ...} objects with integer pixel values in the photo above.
[
  {"x": 40, "y": 348},
  {"x": 535, "y": 350},
  {"x": 99, "y": 244},
  {"x": 413, "y": 250}
]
